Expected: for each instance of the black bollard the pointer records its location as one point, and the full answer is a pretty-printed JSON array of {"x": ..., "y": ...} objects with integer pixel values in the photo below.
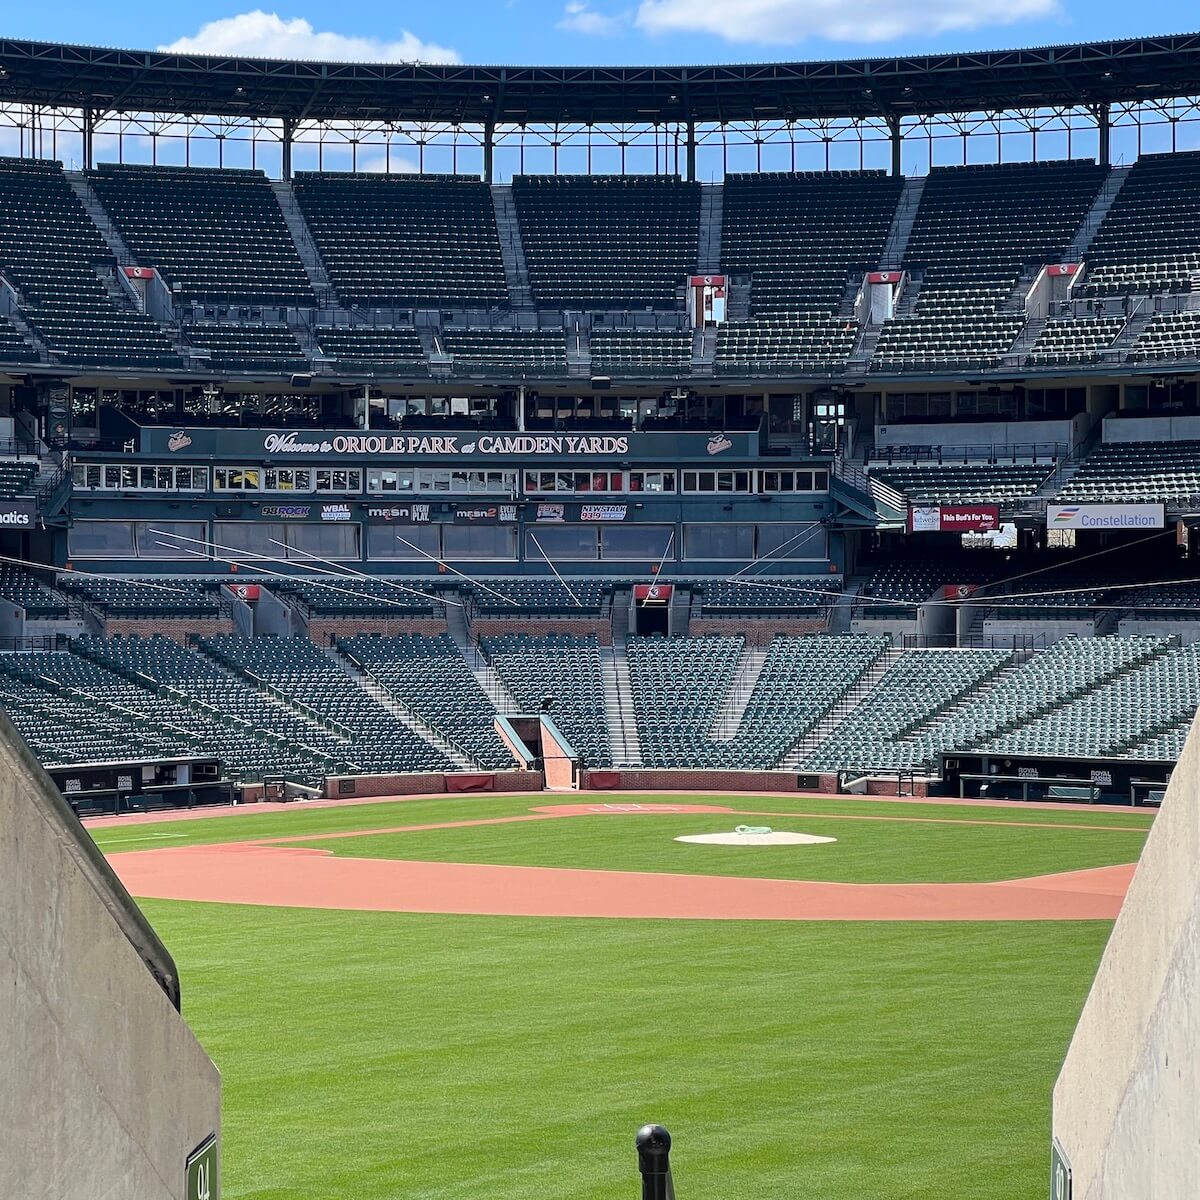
[{"x": 654, "y": 1161}]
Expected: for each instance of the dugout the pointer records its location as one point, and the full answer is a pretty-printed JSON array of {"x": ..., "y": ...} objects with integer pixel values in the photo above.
[
  {"x": 1063, "y": 780},
  {"x": 115, "y": 787}
]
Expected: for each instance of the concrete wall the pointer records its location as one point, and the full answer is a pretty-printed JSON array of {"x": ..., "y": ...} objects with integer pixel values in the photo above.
[
  {"x": 105, "y": 1091},
  {"x": 1186, "y": 631},
  {"x": 1127, "y": 1104},
  {"x": 1151, "y": 429},
  {"x": 979, "y": 433}
]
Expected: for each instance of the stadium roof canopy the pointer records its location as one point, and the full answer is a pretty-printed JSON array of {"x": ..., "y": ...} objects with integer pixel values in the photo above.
[{"x": 1091, "y": 74}]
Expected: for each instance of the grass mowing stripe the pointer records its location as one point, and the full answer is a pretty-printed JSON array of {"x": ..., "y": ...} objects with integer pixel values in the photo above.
[
  {"x": 868, "y": 850},
  {"x": 787, "y": 1060}
]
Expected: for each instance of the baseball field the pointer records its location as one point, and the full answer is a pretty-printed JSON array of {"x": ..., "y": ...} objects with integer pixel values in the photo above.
[{"x": 486, "y": 996}]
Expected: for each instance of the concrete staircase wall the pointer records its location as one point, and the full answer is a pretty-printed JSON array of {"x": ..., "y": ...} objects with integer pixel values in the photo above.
[
  {"x": 302, "y": 238},
  {"x": 1096, "y": 214},
  {"x": 902, "y": 223},
  {"x": 712, "y": 213},
  {"x": 516, "y": 269}
]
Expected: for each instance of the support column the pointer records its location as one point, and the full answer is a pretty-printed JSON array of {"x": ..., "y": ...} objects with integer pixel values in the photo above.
[
  {"x": 89, "y": 131},
  {"x": 1104, "y": 129},
  {"x": 489, "y": 148},
  {"x": 897, "y": 140},
  {"x": 691, "y": 151},
  {"x": 289, "y": 131}
]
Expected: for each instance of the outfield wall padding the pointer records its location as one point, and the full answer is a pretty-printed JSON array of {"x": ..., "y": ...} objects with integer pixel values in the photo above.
[
  {"x": 1127, "y": 1103},
  {"x": 106, "y": 1091}
]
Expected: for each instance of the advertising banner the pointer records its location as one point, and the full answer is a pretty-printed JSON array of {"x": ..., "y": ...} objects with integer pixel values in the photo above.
[
  {"x": 485, "y": 514},
  {"x": 1106, "y": 516},
  {"x": 519, "y": 449},
  {"x": 953, "y": 518},
  {"x": 17, "y": 514}
]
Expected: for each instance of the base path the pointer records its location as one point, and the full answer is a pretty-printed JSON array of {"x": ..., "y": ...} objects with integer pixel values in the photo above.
[{"x": 249, "y": 873}]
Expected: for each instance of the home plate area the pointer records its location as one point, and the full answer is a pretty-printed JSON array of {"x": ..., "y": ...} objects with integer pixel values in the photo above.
[{"x": 756, "y": 835}]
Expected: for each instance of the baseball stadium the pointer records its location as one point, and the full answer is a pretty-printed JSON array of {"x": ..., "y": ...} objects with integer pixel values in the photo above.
[{"x": 542, "y": 601}]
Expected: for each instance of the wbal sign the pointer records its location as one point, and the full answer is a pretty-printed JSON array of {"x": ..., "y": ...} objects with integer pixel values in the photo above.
[{"x": 1105, "y": 516}]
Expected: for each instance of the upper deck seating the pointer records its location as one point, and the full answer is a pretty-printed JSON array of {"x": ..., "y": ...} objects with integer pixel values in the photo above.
[
  {"x": 597, "y": 241},
  {"x": 391, "y": 241},
  {"x": 54, "y": 256},
  {"x": 217, "y": 234},
  {"x": 1149, "y": 240}
]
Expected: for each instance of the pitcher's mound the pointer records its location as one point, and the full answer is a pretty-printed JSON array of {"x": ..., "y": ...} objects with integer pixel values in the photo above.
[{"x": 768, "y": 838}]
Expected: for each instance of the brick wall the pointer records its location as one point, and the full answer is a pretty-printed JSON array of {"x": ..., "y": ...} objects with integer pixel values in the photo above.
[
  {"x": 758, "y": 631},
  {"x": 178, "y": 629},
  {"x": 321, "y": 629},
  {"x": 431, "y": 783},
  {"x": 700, "y": 781},
  {"x": 543, "y": 626}
]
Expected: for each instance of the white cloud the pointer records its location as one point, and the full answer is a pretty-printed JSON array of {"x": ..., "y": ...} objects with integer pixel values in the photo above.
[
  {"x": 780, "y": 22},
  {"x": 579, "y": 18},
  {"x": 260, "y": 34}
]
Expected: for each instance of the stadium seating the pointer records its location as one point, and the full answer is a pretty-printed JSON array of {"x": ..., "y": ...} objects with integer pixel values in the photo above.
[
  {"x": 16, "y": 479},
  {"x": 162, "y": 689},
  {"x": 1068, "y": 670},
  {"x": 916, "y": 688},
  {"x": 1149, "y": 240},
  {"x": 51, "y": 252},
  {"x": 770, "y": 595},
  {"x": 785, "y": 343},
  {"x": 431, "y": 679},
  {"x": 218, "y": 235},
  {"x": 23, "y": 589},
  {"x": 381, "y": 350},
  {"x": 391, "y": 241},
  {"x": 801, "y": 681},
  {"x": 641, "y": 352},
  {"x": 1137, "y": 471},
  {"x": 270, "y": 348},
  {"x": 982, "y": 483},
  {"x": 1126, "y": 712},
  {"x": 13, "y": 346},
  {"x": 304, "y": 675},
  {"x": 801, "y": 236},
  {"x": 678, "y": 686},
  {"x": 540, "y": 597},
  {"x": 64, "y": 729},
  {"x": 893, "y": 586},
  {"x": 1168, "y": 336},
  {"x": 361, "y": 597},
  {"x": 142, "y": 598},
  {"x": 516, "y": 351},
  {"x": 1074, "y": 342},
  {"x": 976, "y": 229},
  {"x": 596, "y": 242},
  {"x": 565, "y": 670}
]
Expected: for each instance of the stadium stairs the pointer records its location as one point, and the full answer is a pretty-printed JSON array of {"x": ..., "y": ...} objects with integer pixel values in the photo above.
[
  {"x": 100, "y": 218},
  {"x": 623, "y": 731},
  {"x": 1078, "y": 248},
  {"x": 728, "y": 718},
  {"x": 712, "y": 212},
  {"x": 306, "y": 248},
  {"x": 405, "y": 716},
  {"x": 902, "y": 222},
  {"x": 849, "y": 703},
  {"x": 512, "y": 251}
]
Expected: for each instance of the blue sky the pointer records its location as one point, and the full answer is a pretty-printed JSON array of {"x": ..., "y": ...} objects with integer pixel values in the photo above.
[{"x": 594, "y": 31}]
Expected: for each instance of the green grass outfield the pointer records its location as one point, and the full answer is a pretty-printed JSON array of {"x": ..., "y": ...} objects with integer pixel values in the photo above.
[{"x": 381, "y": 1055}]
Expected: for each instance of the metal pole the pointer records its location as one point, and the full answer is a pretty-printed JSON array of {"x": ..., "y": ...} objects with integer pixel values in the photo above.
[{"x": 654, "y": 1162}]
